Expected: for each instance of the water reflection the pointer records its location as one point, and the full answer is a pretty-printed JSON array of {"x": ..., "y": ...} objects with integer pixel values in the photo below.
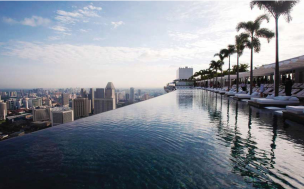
[
  {"x": 250, "y": 156},
  {"x": 184, "y": 139}
]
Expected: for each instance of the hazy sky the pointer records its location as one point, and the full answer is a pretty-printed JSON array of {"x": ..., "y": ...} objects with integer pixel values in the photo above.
[{"x": 132, "y": 44}]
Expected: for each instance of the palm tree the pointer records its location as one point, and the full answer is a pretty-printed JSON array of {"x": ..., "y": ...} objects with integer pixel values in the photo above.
[
  {"x": 227, "y": 53},
  {"x": 216, "y": 65},
  {"x": 254, "y": 31},
  {"x": 276, "y": 9},
  {"x": 222, "y": 57},
  {"x": 241, "y": 42}
]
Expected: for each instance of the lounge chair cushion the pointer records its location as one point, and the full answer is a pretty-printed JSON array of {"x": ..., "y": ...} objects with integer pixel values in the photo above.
[
  {"x": 270, "y": 97},
  {"x": 293, "y": 99},
  {"x": 295, "y": 109},
  {"x": 282, "y": 98}
]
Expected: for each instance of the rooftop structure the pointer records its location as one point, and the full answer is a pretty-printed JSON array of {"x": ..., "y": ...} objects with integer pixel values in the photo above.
[{"x": 184, "y": 73}]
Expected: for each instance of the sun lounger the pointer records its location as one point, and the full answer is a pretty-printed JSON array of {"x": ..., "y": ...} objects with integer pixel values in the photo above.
[
  {"x": 246, "y": 96},
  {"x": 295, "y": 109},
  {"x": 279, "y": 101}
]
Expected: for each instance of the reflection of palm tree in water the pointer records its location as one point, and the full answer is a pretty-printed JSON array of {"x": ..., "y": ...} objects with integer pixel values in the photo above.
[
  {"x": 248, "y": 164},
  {"x": 253, "y": 164}
]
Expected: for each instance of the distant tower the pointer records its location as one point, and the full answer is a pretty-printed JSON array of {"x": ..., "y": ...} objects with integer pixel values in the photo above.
[
  {"x": 91, "y": 97},
  {"x": 100, "y": 93},
  {"x": 3, "y": 111},
  {"x": 26, "y": 103},
  {"x": 110, "y": 91},
  {"x": 81, "y": 107},
  {"x": 139, "y": 92},
  {"x": 132, "y": 94},
  {"x": 61, "y": 115},
  {"x": 65, "y": 99},
  {"x": 43, "y": 114}
]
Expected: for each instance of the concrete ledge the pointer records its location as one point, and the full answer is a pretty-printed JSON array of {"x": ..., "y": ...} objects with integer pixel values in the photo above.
[{"x": 299, "y": 118}]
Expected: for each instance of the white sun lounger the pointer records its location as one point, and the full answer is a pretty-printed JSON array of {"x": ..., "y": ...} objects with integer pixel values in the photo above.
[{"x": 295, "y": 109}]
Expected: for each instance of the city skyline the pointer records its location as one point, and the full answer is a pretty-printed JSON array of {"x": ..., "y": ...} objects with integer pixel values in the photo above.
[{"x": 140, "y": 44}]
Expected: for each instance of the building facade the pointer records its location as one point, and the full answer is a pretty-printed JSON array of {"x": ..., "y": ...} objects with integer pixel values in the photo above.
[
  {"x": 100, "y": 93},
  {"x": 81, "y": 107},
  {"x": 184, "y": 73},
  {"x": 43, "y": 114},
  {"x": 132, "y": 95},
  {"x": 3, "y": 111},
  {"x": 61, "y": 115},
  {"x": 104, "y": 104},
  {"x": 65, "y": 98}
]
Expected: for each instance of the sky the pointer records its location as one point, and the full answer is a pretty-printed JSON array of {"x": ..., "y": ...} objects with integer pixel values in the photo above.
[{"x": 132, "y": 44}]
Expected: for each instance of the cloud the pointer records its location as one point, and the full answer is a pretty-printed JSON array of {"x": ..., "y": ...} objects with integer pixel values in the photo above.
[
  {"x": 33, "y": 21},
  {"x": 117, "y": 24},
  {"x": 66, "y": 17},
  {"x": 178, "y": 36},
  {"x": 36, "y": 21},
  {"x": 53, "y": 38},
  {"x": 92, "y": 8},
  {"x": 99, "y": 39},
  {"x": 84, "y": 31},
  {"x": 9, "y": 20},
  {"x": 60, "y": 28}
]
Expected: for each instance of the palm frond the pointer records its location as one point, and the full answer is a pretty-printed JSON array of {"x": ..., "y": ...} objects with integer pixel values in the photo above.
[
  {"x": 265, "y": 33},
  {"x": 256, "y": 44},
  {"x": 242, "y": 25}
]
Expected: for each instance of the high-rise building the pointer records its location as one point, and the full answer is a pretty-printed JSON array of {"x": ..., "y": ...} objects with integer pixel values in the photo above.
[
  {"x": 26, "y": 103},
  {"x": 11, "y": 104},
  {"x": 184, "y": 73},
  {"x": 91, "y": 98},
  {"x": 132, "y": 94},
  {"x": 41, "y": 114},
  {"x": 104, "y": 104},
  {"x": 82, "y": 92},
  {"x": 3, "y": 111},
  {"x": 61, "y": 115},
  {"x": 18, "y": 103},
  {"x": 139, "y": 92},
  {"x": 100, "y": 93},
  {"x": 127, "y": 97},
  {"x": 36, "y": 102},
  {"x": 110, "y": 91},
  {"x": 145, "y": 97},
  {"x": 81, "y": 107},
  {"x": 65, "y": 99}
]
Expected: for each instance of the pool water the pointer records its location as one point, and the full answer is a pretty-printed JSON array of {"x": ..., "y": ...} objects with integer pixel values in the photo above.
[{"x": 183, "y": 139}]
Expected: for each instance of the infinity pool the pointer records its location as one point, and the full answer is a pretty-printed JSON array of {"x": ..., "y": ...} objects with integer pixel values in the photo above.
[{"x": 184, "y": 139}]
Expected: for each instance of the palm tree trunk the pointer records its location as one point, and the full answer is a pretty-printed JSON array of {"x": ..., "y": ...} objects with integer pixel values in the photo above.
[
  {"x": 229, "y": 74},
  {"x": 251, "y": 68},
  {"x": 277, "y": 71},
  {"x": 237, "y": 73},
  {"x": 216, "y": 78}
]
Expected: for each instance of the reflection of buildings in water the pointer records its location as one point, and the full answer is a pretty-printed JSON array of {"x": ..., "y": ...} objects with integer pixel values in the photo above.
[{"x": 185, "y": 98}]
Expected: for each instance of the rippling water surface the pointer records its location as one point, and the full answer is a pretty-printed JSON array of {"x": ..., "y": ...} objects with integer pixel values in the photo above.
[{"x": 184, "y": 139}]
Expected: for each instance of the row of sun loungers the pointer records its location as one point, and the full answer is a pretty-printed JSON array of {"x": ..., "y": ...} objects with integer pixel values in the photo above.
[{"x": 256, "y": 100}]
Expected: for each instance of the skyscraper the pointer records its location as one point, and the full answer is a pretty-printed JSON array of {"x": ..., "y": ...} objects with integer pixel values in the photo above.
[
  {"x": 26, "y": 103},
  {"x": 100, "y": 93},
  {"x": 61, "y": 115},
  {"x": 104, "y": 104},
  {"x": 107, "y": 103},
  {"x": 139, "y": 92},
  {"x": 11, "y": 104},
  {"x": 42, "y": 114},
  {"x": 110, "y": 90},
  {"x": 132, "y": 94},
  {"x": 3, "y": 111},
  {"x": 91, "y": 97},
  {"x": 65, "y": 99},
  {"x": 81, "y": 107}
]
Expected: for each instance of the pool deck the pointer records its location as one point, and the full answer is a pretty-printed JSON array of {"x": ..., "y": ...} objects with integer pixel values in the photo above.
[{"x": 299, "y": 118}]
